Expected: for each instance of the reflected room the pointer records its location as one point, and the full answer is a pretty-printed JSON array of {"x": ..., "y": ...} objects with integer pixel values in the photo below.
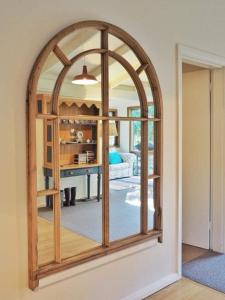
[{"x": 75, "y": 138}]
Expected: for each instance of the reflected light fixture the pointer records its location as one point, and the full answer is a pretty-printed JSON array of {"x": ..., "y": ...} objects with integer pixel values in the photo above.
[{"x": 84, "y": 78}]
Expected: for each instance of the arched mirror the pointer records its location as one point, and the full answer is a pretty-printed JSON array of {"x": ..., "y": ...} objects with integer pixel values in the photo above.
[{"x": 94, "y": 148}]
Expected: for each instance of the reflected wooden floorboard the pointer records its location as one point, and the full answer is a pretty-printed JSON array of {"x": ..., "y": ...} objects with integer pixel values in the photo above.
[{"x": 72, "y": 243}]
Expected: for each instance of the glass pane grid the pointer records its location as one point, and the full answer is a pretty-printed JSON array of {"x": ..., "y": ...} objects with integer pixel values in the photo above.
[
  {"x": 81, "y": 153},
  {"x": 46, "y": 248},
  {"x": 125, "y": 186}
]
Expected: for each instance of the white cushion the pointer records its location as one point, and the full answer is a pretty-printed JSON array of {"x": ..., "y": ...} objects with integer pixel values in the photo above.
[{"x": 119, "y": 166}]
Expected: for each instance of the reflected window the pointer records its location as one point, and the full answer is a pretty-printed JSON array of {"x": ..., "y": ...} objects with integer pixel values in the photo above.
[{"x": 135, "y": 136}]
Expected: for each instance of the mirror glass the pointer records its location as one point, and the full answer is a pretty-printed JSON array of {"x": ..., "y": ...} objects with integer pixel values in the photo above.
[
  {"x": 124, "y": 182},
  {"x": 122, "y": 91},
  {"x": 81, "y": 184},
  {"x": 150, "y": 147},
  {"x": 46, "y": 83},
  {"x": 79, "y": 41},
  {"x": 44, "y": 159},
  {"x": 80, "y": 148},
  {"x": 44, "y": 153},
  {"x": 43, "y": 163},
  {"x": 81, "y": 204},
  {"x": 148, "y": 91},
  {"x": 123, "y": 50},
  {"x": 151, "y": 208},
  {"x": 45, "y": 228},
  {"x": 82, "y": 99}
]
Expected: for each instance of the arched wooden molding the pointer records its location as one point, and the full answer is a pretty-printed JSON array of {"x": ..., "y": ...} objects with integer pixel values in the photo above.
[
  {"x": 111, "y": 29},
  {"x": 146, "y": 66},
  {"x": 133, "y": 74},
  {"x": 65, "y": 70},
  {"x": 61, "y": 56}
]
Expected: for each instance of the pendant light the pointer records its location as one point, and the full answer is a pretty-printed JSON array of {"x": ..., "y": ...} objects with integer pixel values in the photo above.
[{"x": 84, "y": 78}]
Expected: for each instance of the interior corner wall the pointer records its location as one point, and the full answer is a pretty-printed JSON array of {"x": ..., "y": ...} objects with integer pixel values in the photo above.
[
  {"x": 26, "y": 26},
  {"x": 218, "y": 160}
]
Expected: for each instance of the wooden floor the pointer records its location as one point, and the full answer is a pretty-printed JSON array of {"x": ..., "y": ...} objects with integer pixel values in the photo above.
[
  {"x": 72, "y": 243},
  {"x": 186, "y": 289},
  {"x": 191, "y": 252}
]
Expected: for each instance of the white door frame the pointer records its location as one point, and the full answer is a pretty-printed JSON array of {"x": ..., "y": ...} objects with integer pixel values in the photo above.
[{"x": 204, "y": 59}]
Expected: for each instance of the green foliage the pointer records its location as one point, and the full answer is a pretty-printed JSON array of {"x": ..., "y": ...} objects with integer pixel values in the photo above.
[
  {"x": 136, "y": 132},
  {"x": 136, "y": 126}
]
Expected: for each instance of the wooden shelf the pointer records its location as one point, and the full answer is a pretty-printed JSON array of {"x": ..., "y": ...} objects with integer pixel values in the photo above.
[
  {"x": 153, "y": 176},
  {"x": 82, "y": 117},
  {"x": 74, "y": 143},
  {"x": 80, "y": 124},
  {"x": 77, "y": 166},
  {"x": 86, "y": 117},
  {"x": 47, "y": 192},
  {"x": 78, "y": 102},
  {"x": 92, "y": 117},
  {"x": 154, "y": 119},
  {"x": 46, "y": 116},
  {"x": 114, "y": 118}
]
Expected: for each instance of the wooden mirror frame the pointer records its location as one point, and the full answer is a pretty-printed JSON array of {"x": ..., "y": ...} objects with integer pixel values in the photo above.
[{"x": 35, "y": 272}]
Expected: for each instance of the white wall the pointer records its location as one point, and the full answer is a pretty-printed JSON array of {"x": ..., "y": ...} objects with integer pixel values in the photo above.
[
  {"x": 217, "y": 156},
  {"x": 26, "y": 26}
]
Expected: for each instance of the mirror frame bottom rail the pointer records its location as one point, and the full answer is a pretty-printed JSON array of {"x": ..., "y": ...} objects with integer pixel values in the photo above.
[{"x": 97, "y": 252}]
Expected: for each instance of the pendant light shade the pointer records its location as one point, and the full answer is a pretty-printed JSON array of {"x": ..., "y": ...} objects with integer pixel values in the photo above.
[
  {"x": 113, "y": 129},
  {"x": 84, "y": 78}
]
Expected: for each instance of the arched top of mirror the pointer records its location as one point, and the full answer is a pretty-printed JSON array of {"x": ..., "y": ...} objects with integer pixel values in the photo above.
[{"x": 82, "y": 36}]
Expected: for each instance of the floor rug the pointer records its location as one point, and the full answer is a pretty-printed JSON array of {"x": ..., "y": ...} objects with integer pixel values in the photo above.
[
  {"x": 208, "y": 270},
  {"x": 120, "y": 186},
  {"x": 124, "y": 205},
  {"x": 132, "y": 180}
]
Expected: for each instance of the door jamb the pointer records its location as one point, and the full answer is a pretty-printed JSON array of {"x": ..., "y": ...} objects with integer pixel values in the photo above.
[{"x": 207, "y": 60}]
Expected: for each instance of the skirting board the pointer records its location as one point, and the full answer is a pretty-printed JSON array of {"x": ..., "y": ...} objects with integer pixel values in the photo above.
[{"x": 154, "y": 287}]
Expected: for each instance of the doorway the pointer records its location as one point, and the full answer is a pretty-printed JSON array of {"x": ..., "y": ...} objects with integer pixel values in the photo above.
[
  {"x": 196, "y": 154},
  {"x": 201, "y": 180},
  {"x": 202, "y": 59}
]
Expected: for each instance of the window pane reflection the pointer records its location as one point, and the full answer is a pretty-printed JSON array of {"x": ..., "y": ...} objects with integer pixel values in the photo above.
[{"x": 124, "y": 185}]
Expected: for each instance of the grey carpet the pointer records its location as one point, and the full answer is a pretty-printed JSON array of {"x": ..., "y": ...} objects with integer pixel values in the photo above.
[
  {"x": 134, "y": 180},
  {"x": 208, "y": 270},
  {"x": 85, "y": 218}
]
